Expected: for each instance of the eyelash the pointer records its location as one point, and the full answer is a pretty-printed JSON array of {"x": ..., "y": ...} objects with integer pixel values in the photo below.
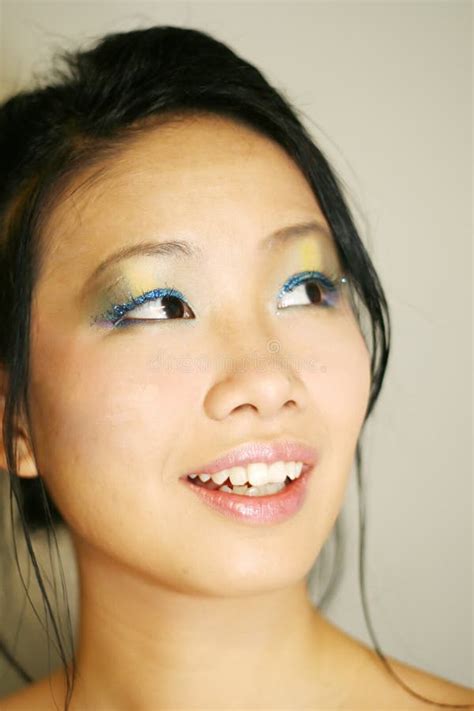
[{"x": 328, "y": 284}]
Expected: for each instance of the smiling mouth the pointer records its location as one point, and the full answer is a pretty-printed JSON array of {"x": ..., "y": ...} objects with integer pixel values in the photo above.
[
  {"x": 250, "y": 481},
  {"x": 270, "y": 502}
]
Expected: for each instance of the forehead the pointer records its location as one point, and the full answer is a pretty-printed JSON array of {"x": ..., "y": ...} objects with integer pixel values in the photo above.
[{"x": 200, "y": 176}]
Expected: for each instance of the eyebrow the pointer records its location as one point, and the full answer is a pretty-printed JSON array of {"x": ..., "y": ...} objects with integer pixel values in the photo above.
[{"x": 180, "y": 248}]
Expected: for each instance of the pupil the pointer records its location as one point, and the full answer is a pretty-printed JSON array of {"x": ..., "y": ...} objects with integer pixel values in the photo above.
[
  {"x": 313, "y": 291},
  {"x": 173, "y": 306}
]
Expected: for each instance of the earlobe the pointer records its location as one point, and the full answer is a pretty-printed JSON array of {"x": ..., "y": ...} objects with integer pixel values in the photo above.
[
  {"x": 26, "y": 461},
  {"x": 26, "y": 466}
]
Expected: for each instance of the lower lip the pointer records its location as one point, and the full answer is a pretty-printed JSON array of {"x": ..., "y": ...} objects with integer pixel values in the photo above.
[{"x": 274, "y": 508}]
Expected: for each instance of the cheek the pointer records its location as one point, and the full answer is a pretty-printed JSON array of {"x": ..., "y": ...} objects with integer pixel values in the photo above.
[
  {"x": 103, "y": 424},
  {"x": 341, "y": 388}
]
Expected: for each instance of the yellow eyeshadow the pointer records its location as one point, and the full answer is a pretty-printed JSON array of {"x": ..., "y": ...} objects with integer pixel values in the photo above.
[
  {"x": 133, "y": 281},
  {"x": 137, "y": 279},
  {"x": 310, "y": 254},
  {"x": 136, "y": 274}
]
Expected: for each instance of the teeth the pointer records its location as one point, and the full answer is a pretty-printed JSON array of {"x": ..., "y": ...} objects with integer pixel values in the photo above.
[
  {"x": 220, "y": 477},
  {"x": 295, "y": 469},
  {"x": 238, "y": 489},
  {"x": 256, "y": 474},
  {"x": 278, "y": 471},
  {"x": 259, "y": 473},
  {"x": 254, "y": 490},
  {"x": 237, "y": 475},
  {"x": 265, "y": 490}
]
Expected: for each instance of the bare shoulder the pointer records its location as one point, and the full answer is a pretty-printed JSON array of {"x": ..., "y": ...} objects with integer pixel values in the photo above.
[
  {"x": 372, "y": 686},
  {"x": 378, "y": 689},
  {"x": 40, "y": 696},
  {"x": 435, "y": 688}
]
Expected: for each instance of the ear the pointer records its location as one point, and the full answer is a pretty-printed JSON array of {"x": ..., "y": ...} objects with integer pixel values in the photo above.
[{"x": 26, "y": 465}]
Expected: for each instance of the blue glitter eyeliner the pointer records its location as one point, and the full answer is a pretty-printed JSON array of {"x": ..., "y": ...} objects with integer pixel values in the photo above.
[
  {"x": 329, "y": 286},
  {"x": 117, "y": 311}
]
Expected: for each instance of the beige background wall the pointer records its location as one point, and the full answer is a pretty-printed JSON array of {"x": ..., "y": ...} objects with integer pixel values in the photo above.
[{"x": 387, "y": 91}]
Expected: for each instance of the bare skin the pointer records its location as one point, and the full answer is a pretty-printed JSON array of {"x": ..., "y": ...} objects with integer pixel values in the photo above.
[
  {"x": 359, "y": 683},
  {"x": 182, "y": 608}
]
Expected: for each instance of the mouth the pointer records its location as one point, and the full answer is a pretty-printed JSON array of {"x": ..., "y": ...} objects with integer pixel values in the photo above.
[
  {"x": 267, "y": 503},
  {"x": 256, "y": 479}
]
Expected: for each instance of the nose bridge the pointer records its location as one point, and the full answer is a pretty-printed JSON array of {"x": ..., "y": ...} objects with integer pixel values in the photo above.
[{"x": 242, "y": 333}]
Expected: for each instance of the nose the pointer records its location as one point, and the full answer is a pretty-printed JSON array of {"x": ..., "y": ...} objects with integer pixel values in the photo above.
[{"x": 265, "y": 386}]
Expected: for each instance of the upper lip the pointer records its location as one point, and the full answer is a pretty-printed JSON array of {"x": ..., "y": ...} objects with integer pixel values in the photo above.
[{"x": 274, "y": 451}]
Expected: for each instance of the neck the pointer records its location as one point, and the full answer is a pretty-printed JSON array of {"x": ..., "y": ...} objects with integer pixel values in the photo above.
[{"x": 142, "y": 645}]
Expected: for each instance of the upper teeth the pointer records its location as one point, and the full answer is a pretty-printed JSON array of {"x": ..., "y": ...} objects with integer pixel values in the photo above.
[{"x": 257, "y": 473}]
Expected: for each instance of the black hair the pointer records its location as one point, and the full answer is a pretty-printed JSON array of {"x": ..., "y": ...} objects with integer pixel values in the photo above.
[{"x": 93, "y": 102}]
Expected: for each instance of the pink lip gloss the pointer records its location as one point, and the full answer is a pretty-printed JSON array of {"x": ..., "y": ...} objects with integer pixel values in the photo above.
[{"x": 270, "y": 509}]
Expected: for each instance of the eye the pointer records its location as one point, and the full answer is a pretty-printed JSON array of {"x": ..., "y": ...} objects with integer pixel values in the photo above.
[
  {"x": 320, "y": 289},
  {"x": 155, "y": 305},
  {"x": 166, "y": 304}
]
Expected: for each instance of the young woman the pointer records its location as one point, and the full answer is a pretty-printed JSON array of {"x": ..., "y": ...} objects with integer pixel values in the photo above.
[{"x": 186, "y": 376}]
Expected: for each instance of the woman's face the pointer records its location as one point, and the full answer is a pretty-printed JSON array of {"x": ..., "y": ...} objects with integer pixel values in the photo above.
[{"x": 119, "y": 414}]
